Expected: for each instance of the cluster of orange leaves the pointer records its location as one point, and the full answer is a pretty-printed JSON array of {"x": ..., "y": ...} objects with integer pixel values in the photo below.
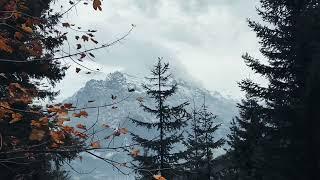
[
  {"x": 23, "y": 40},
  {"x": 159, "y": 177},
  {"x": 54, "y": 125},
  {"x": 50, "y": 124},
  {"x": 17, "y": 95}
]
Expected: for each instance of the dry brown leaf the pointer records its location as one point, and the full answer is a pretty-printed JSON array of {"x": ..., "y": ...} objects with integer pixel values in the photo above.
[
  {"x": 81, "y": 126},
  {"x": 68, "y": 129},
  {"x": 58, "y": 137},
  {"x": 68, "y": 105},
  {"x": 81, "y": 113},
  {"x": 42, "y": 122},
  {"x": 159, "y": 177},
  {"x": 4, "y": 46},
  {"x": 97, "y": 5},
  {"x": 62, "y": 119},
  {"x": 15, "y": 118},
  {"x": 18, "y": 35},
  {"x": 26, "y": 28},
  {"x": 14, "y": 88},
  {"x": 96, "y": 144},
  {"x": 80, "y": 135},
  {"x": 123, "y": 130},
  {"x": 37, "y": 135}
]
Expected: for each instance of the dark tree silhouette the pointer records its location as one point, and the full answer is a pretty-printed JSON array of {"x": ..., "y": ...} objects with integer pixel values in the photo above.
[
  {"x": 200, "y": 144},
  {"x": 289, "y": 40},
  {"x": 246, "y": 141},
  {"x": 158, "y": 154}
]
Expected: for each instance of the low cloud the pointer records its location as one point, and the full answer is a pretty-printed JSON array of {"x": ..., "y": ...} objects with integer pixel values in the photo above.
[{"x": 202, "y": 39}]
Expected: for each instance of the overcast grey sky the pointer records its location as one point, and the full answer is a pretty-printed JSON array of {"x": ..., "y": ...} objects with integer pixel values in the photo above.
[{"x": 203, "y": 39}]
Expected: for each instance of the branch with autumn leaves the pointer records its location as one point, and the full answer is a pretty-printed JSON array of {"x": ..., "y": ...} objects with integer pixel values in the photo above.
[
  {"x": 48, "y": 131},
  {"x": 51, "y": 131}
]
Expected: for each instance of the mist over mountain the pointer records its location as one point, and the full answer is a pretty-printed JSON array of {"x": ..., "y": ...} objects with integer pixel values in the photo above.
[{"x": 121, "y": 85}]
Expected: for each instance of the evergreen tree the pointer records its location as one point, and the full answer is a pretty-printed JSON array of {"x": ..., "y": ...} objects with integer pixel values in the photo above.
[
  {"x": 246, "y": 139},
  {"x": 193, "y": 155},
  {"x": 290, "y": 41},
  {"x": 200, "y": 144},
  {"x": 159, "y": 155}
]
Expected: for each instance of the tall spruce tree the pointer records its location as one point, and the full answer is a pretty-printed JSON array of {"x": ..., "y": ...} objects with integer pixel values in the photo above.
[
  {"x": 193, "y": 154},
  {"x": 246, "y": 142},
  {"x": 290, "y": 41},
  {"x": 200, "y": 144},
  {"x": 159, "y": 155}
]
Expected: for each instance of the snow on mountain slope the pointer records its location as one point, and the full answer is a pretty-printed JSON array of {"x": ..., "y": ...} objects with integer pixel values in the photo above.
[{"x": 99, "y": 92}]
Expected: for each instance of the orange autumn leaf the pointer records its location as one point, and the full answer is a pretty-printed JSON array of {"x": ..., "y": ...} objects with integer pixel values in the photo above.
[
  {"x": 68, "y": 105},
  {"x": 81, "y": 113},
  {"x": 80, "y": 135},
  {"x": 35, "y": 124},
  {"x": 61, "y": 120},
  {"x": 15, "y": 88},
  {"x": 81, "y": 126},
  {"x": 27, "y": 29},
  {"x": 16, "y": 15},
  {"x": 42, "y": 122},
  {"x": 2, "y": 114},
  {"x": 97, "y": 5},
  {"x": 55, "y": 109},
  {"x": 62, "y": 113},
  {"x": 4, "y": 46},
  {"x": 5, "y": 105},
  {"x": 159, "y": 177},
  {"x": 5, "y": 109},
  {"x": 123, "y": 130},
  {"x": 68, "y": 129},
  {"x": 18, "y": 35},
  {"x": 96, "y": 144},
  {"x": 58, "y": 137},
  {"x": 37, "y": 135},
  {"x": 15, "y": 118},
  {"x": 20, "y": 94}
]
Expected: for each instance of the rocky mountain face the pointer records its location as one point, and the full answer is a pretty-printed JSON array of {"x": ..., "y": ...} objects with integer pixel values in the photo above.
[{"x": 120, "y": 95}]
